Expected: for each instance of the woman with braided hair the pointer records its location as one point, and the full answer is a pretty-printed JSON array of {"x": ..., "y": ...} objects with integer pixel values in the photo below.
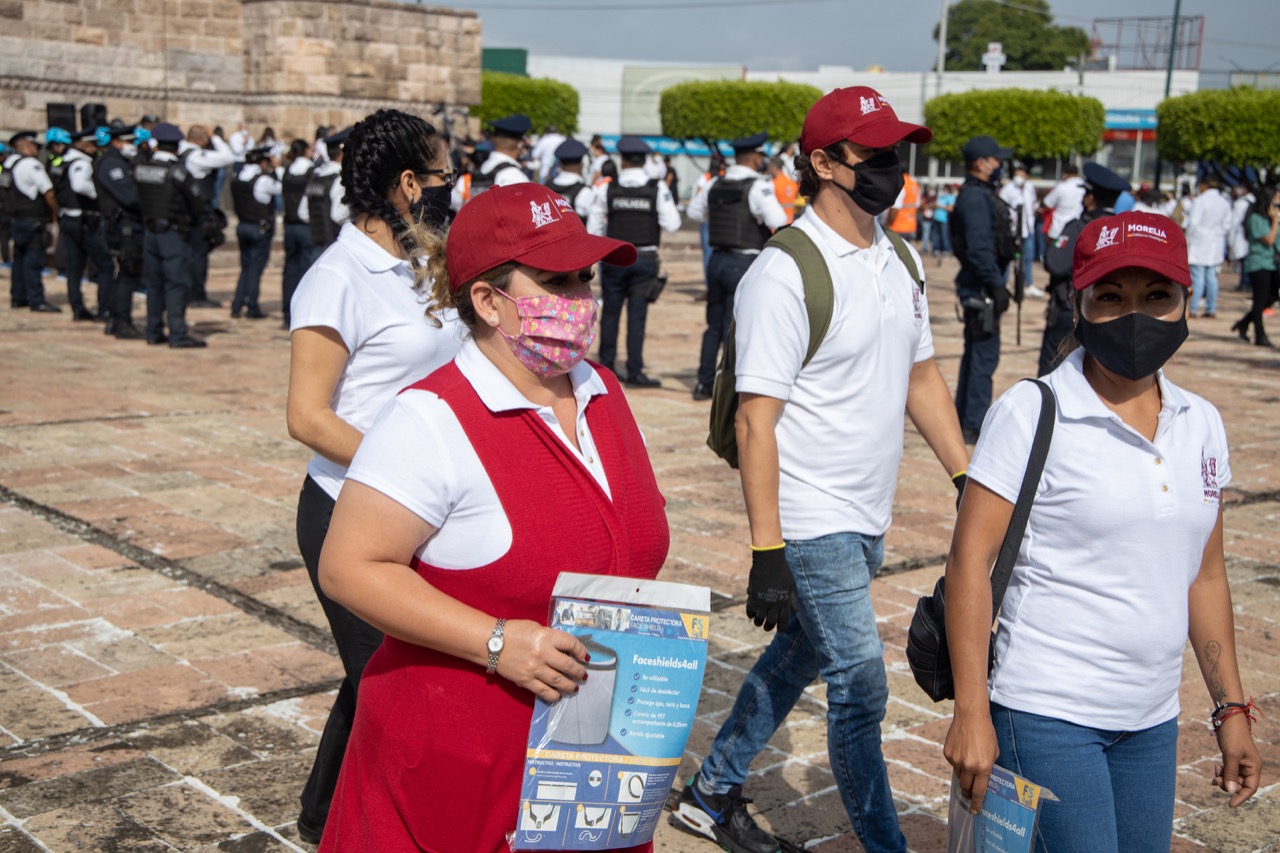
[{"x": 362, "y": 327}]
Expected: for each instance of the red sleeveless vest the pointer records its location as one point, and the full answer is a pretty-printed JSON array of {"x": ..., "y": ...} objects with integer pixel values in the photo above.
[{"x": 437, "y": 749}]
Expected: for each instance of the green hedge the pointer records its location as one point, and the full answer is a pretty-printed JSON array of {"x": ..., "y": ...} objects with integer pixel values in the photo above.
[
  {"x": 1035, "y": 124},
  {"x": 545, "y": 101},
  {"x": 729, "y": 109},
  {"x": 1238, "y": 126}
]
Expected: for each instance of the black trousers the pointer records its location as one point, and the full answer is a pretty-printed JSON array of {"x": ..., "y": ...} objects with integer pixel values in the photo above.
[
  {"x": 85, "y": 241},
  {"x": 619, "y": 286},
  {"x": 724, "y": 271},
  {"x": 1264, "y": 284},
  {"x": 198, "y": 291},
  {"x": 299, "y": 253},
  {"x": 166, "y": 269},
  {"x": 357, "y": 640},
  {"x": 26, "y": 285},
  {"x": 125, "y": 243}
]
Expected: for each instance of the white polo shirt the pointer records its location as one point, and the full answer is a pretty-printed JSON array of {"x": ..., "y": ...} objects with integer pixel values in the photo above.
[
  {"x": 418, "y": 455},
  {"x": 366, "y": 295},
  {"x": 840, "y": 435},
  {"x": 1094, "y": 622}
]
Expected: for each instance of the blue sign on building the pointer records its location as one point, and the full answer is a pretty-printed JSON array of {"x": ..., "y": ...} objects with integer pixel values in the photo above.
[{"x": 1131, "y": 120}]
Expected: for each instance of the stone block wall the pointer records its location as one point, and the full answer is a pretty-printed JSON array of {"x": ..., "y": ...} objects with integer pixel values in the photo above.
[{"x": 291, "y": 64}]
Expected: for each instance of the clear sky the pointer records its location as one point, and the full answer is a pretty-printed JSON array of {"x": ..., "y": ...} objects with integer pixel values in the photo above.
[{"x": 803, "y": 34}]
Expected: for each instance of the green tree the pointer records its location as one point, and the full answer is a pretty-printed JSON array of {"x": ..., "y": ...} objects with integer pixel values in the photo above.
[
  {"x": 546, "y": 102},
  {"x": 1035, "y": 124},
  {"x": 1031, "y": 40},
  {"x": 729, "y": 109},
  {"x": 1238, "y": 126}
]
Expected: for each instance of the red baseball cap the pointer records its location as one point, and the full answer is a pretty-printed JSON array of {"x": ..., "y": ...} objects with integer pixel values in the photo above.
[
  {"x": 1148, "y": 241},
  {"x": 529, "y": 224},
  {"x": 859, "y": 114}
]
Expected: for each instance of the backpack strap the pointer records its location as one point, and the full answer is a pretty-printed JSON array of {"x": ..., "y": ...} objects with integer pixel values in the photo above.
[
  {"x": 904, "y": 255},
  {"x": 819, "y": 293}
]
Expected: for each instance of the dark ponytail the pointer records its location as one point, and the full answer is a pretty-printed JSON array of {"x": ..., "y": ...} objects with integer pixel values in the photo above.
[{"x": 380, "y": 148}]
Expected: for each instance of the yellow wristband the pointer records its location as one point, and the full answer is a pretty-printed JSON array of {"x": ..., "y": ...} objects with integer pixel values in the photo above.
[
  {"x": 957, "y": 475},
  {"x": 769, "y": 547}
]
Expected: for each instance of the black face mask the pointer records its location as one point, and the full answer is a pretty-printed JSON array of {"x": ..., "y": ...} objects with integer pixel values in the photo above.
[
  {"x": 878, "y": 182},
  {"x": 432, "y": 207},
  {"x": 1133, "y": 346}
]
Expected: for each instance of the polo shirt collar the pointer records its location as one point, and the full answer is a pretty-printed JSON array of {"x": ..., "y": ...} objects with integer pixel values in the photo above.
[
  {"x": 1078, "y": 401},
  {"x": 371, "y": 256},
  {"x": 839, "y": 246},
  {"x": 499, "y": 395}
]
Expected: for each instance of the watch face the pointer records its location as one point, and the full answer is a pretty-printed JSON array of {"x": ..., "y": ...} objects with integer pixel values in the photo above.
[{"x": 495, "y": 644}]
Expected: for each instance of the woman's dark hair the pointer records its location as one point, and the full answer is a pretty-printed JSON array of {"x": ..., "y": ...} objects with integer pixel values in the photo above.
[
  {"x": 1262, "y": 197},
  {"x": 269, "y": 133},
  {"x": 809, "y": 180},
  {"x": 609, "y": 169},
  {"x": 297, "y": 148},
  {"x": 380, "y": 148}
]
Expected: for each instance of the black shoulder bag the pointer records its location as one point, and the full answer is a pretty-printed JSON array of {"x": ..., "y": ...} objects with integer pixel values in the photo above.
[{"x": 927, "y": 651}]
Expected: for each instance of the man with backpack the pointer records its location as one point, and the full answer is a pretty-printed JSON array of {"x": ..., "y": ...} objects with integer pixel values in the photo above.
[
  {"x": 830, "y": 345},
  {"x": 982, "y": 238}
]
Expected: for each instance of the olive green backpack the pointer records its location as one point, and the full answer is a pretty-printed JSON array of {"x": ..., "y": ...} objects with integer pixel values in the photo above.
[{"x": 819, "y": 300}]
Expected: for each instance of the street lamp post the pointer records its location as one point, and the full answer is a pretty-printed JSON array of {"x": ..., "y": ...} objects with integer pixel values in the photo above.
[{"x": 1168, "y": 80}]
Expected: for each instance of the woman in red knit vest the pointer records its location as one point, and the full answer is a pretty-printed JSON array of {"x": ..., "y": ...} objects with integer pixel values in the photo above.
[{"x": 473, "y": 491}]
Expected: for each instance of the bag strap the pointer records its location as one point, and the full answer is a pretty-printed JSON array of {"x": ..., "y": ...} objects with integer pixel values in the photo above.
[
  {"x": 1026, "y": 496},
  {"x": 819, "y": 292},
  {"x": 904, "y": 255}
]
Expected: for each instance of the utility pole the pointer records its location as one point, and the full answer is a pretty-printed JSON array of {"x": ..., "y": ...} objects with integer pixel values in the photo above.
[
  {"x": 1168, "y": 78},
  {"x": 942, "y": 49}
]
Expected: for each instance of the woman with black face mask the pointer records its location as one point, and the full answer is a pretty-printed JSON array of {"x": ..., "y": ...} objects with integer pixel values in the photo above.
[
  {"x": 363, "y": 327},
  {"x": 1122, "y": 560}
]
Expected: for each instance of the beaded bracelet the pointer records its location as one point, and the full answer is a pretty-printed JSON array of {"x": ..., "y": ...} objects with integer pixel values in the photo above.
[{"x": 1227, "y": 710}]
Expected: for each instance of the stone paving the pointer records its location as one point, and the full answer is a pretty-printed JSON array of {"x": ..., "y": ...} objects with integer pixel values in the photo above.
[{"x": 165, "y": 670}]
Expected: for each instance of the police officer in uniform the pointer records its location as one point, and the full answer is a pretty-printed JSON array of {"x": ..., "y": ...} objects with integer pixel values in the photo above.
[
  {"x": 253, "y": 192},
  {"x": 741, "y": 210},
  {"x": 299, "y": 248},
  {"x": 203, "y": 155},
  {"x": 1102, "y": 188},
  {"x": 983, "y": 240},
  {"x": 324, "y": 211},
  {"x": 502, "y": 167},
  {"x": 569, "y": 181},
  {"x": 122, "y": 226},
  {"x": 172, "y": 204},
  {"x": 28, "y": 195},
  {"x": 79, "y": 222},
  {"x": 5, "y": 223},
  {"x": 636, "y": 209}
]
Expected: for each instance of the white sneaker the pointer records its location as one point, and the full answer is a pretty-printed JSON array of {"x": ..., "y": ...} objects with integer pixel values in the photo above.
[{"x": 1034, "y": 292}]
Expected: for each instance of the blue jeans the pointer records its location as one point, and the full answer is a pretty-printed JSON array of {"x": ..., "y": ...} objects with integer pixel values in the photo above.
[
  {"x": 1028, "y": 258},
  {"x": 1115, "y": 789},
  {"x": 1204, "y": 284},
  {"x": 941, "y": 237},
  {"x": 832, "y": 635},
  {"x": 723, "y": 274}
]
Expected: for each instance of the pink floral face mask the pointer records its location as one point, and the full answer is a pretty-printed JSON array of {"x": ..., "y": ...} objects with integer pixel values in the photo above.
[{"x": 555, "y": 332}]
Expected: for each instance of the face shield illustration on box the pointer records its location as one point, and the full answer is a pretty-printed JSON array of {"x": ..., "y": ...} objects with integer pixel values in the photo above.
[{"x": 583, "y": 718}]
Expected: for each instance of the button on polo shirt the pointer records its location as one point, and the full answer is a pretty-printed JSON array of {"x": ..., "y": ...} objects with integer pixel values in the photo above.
[{"x": 1094, "y": 622}]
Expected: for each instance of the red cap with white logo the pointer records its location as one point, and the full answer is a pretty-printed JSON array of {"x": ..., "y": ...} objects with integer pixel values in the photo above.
[
  {"x": 529, "y": 224},
  {"x": 1147, "y": 241},
  {"x": 862, "y": 116}
]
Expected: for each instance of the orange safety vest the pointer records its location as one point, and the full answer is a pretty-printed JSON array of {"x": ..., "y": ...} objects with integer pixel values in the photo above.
[
  {"x": 465, "y": 180},
  {"x": 786, "y": 190},
  {"x": 903, "y": 220}
]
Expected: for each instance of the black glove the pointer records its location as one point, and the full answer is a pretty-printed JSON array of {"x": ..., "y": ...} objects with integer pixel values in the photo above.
[
  {"x": 771, "y": 591},
  {"x": 1000, "y": 296},
  {"x": 959, "y": 480}
]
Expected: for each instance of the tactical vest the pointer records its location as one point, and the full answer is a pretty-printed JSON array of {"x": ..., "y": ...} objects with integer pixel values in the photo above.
[
  {"x": 248, "y": 208},
  {"x": 16, "y": 202},
  {"x": 569, "y": 193},
  {"x": 294, "y": 190},
  {"x": 633, "y": 213},
  {"x": 730, "y": 223},
  {"x": 58, "y": 169},
  {"x": 481, "y": 182},
  {"x": 159, "y": 195},
  {"x": 319, "y": 209},
  {"x": 110, "y": 160},
  {"x": 208, "y": 184}
]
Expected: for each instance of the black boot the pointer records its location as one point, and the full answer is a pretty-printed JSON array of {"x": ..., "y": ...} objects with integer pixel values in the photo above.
[{"x": 1241, "y": 328}]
